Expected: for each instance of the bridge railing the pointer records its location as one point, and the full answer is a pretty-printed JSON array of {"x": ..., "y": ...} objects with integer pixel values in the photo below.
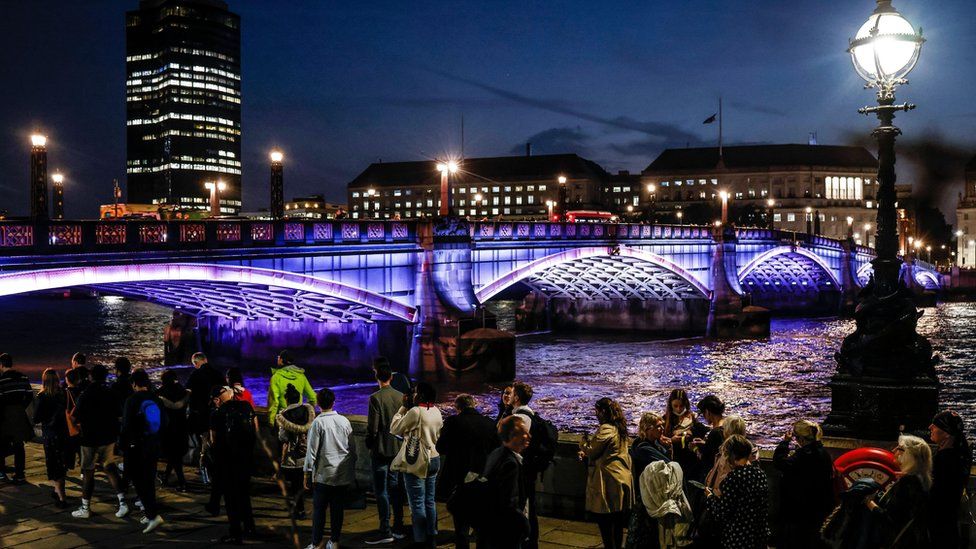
[
  {"x": 541, "y": 230},
  {"x": 23, "y": 237},
  {"x": 751, "y": 233}
]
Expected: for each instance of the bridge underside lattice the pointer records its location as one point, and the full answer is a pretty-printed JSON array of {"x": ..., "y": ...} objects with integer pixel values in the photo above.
[
  {"x": 612, "y": 277},
  {"x": 787, "y": 274}
]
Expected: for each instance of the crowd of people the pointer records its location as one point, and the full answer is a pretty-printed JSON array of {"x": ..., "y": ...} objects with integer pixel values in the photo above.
[{"x": 690, "y": 478}]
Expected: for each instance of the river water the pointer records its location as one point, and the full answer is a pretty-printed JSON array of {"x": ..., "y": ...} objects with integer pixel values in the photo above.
[{"x": 770, "y": 383}]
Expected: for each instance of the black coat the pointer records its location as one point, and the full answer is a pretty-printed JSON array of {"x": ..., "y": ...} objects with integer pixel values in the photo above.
[
  {"x": 16, "y": 394},
  {"x": 505, "y": 524},
  {"x": 98, "y": 413},
  {"x": 806, "y": 491},
  {"x": 950, "y": 471},
  {"x": 465, "y": 441},
  {"x": 900, "y": 520},
  {"x": 200, "y": 383},
  {"x": 643, "y": 453},
  {"x": 49, "y": 413}
]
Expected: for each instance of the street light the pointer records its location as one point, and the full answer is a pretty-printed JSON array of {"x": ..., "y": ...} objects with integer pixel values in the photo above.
[
  {"x": 38, "y": 140},
  {"x": 850, "y": 226},
  {"x": 867, "y": 235},
  {"x": 874, "y": 368},
  {"x": 58, "y": 180},
  {"x": 724, "y": 195},
  {"x": 549, "y": 204},
  {"x": 215, "y": 188},
  {"x": 680, "y": 214},
  {"x": 809, "y": 219},
  {"x": 770, "y": 206},
  {"x": 928, "y": 254},
  {"x": 447, "y": 169},
  {"x": 651, "y": 199}
]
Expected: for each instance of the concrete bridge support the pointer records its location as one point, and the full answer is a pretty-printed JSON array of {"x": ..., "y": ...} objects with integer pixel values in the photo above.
[{"x": 725, "y": 311}]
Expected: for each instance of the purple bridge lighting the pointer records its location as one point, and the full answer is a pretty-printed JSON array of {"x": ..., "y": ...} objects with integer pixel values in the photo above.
[{"x": 426, "y": 277}]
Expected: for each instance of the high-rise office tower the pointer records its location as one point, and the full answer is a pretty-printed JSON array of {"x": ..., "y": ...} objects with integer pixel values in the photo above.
[
  {"x": 38, "y": 182},
  {"x": 183, "y": 103}
]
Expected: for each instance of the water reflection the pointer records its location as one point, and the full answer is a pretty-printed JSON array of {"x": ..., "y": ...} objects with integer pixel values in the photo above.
[{"x": 769, "y": 383}]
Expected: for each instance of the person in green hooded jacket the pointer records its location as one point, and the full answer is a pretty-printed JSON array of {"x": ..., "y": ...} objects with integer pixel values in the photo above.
[{"x": 286, "y": 373}]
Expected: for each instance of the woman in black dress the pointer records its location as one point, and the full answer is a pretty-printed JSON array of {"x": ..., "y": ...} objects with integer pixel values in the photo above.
[
  {"x": 950, "y": 472},
  {"x": 174, "y": 440},
  {"x": 50, "y": 413}
]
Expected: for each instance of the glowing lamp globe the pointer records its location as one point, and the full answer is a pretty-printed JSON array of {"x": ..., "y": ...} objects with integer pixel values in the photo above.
[
  {"x": 886, "y": 47},
  {"x": 277, "y": 156}
]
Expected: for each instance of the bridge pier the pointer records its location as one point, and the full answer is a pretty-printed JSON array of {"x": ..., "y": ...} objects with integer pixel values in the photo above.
[
  {"x": 848, "y": 280},
  {"x": 729, "y": 317}
]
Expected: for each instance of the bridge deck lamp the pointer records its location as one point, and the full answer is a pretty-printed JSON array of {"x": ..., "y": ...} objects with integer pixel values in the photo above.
[
  {"x": 447, "y": 169},
  {"x": 770, "y": 208},
  {"x": 549, "y": 205},
  {"x": 651, "y": 201},
  {"x": 808, "y": 216},
  {"x": 850, "y": 226},
  {"x": 885, "y": 376},
  {"x": 277, "y": 186},
  {"x": 38, "y": 177},
  {"x": 215, "y": 187},
  {"x": 58, "y": 202},
  {"x": 724, "y": 195},
  {"x": 867, "y": 234},
  {"x": 679, "y": 215}
]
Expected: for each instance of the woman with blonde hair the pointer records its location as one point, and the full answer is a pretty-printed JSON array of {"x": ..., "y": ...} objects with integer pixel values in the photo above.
[
  {"x": 806, "y": 491},
  {"x": 733, "y": 425},
  {"x": 899, "y": 514},
  {"x": 609, "y": 483}
]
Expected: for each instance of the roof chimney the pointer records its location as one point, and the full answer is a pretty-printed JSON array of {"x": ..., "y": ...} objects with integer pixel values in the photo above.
[{"x": 528, "y": 149}]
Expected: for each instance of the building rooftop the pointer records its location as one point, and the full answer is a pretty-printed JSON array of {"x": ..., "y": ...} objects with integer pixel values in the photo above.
[
  {"x": 763, "y": 156},
  {"x": 499, "y": 168}
]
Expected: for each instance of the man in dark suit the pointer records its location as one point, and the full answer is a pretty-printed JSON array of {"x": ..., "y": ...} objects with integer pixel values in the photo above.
[
  {"x": 464, "y": 444},
  {"x": 383, "y": 447},
  {"x": 507, "y": 523}
]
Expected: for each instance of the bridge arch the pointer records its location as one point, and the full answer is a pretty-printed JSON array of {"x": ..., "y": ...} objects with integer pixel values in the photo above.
[
  {"x": 790, "y": 279},
  {"x": 220, "y": 290},
  {"x": 600, "y": 271}
]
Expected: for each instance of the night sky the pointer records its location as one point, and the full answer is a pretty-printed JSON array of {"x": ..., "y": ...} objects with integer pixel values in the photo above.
[{"x": 337, "y": 85}]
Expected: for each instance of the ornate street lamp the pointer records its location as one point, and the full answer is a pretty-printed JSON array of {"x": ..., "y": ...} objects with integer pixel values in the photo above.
[
  {"x": 447, "y": 169},
  {"x": 885, "y": 380},
  {"x": 215, "y": 188}
]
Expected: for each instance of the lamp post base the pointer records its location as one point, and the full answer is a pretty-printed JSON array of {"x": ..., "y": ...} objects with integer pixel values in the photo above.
[
  {"x": 885, "y": 380},
  {"x": 881, "y": 408}
]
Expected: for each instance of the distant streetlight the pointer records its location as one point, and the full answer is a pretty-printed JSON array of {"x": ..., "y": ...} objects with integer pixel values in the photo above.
[
  {"x": 215, "y": 187},
  {"x": 770, "y": 209},
  {"x": 58, "y": 180},
  {"x": 561, "y": 179},
  {"x": 809, "y": 219},
  {"x": 276, "y": 205},
  {"x": 447, "y": 169},
  {"x": 651, "y": 201},
  {"x": 679, "y": 215},
  {"x": 850, "y": 226},
  {"x": 724, "y": 195},
  {"x": 867, "y": 234},
  {"x": 38, "y": 140},
  {"x": 549, "y": 204}
]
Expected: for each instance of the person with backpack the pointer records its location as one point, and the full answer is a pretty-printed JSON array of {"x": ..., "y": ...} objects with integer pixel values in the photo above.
[
  {"x": 293, "y": 425},
  {"x": 286, "y": 374},
  {"x": 97, "y": 415},
  {"x": 201, "y": 383},
  {"x": 142, "y": 424},
  {"x": 505, "y": 523},
  {"x": 538, "y": 456},
  {"x": 465, "y": 442},
  {"x": 233, "y": 432}
]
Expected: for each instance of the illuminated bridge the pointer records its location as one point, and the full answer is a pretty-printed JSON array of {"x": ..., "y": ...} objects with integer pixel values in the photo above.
[{"x": 364, "y": 286}]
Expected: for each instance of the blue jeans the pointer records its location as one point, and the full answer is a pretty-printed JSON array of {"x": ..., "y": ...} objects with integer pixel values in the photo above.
[
  {"x": 387, "y": 488},
  {"x": 423, "y": 510}
]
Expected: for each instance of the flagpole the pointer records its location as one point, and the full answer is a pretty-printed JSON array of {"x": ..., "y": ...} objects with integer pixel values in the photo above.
[{"x": 720, "y": 127}]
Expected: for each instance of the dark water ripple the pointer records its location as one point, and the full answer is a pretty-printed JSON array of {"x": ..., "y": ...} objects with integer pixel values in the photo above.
[{"x": 769, "y": 383}]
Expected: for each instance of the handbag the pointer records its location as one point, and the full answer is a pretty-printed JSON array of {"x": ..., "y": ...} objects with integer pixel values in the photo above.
[
  {"x": 413, "y": 457},
  {"x": 73, "y": 428}
]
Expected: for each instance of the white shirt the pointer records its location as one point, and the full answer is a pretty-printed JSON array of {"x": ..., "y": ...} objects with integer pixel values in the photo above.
[
  {"x": 330, "y": 457},
  {"x": 526, "y": 415},
  {"x": 427, "y": 420}
]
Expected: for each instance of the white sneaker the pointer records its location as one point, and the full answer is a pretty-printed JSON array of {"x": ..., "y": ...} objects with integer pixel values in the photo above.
[
  {"x": 140, "y": 505},
  {"x": 123, "y": 510},
  {"x": 144, "y": 520},
  {"x": 82, "y": 513},
  {"x": 153, "y": 524}
]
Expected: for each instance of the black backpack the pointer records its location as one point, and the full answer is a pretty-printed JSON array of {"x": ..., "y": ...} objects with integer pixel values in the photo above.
[
  {"x": 542, "y": 448},
  {"x": 238, "y": 422}
]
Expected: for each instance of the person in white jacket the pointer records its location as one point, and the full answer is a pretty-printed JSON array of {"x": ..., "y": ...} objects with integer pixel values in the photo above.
[
  {"x": 330, "y": 469},
  {"x": 663, "y": 496},
  {"x": 419, "y": 422}
]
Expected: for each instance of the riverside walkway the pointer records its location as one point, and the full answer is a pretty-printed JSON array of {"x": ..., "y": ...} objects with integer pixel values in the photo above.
[{"x": 28, "y": 518}]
